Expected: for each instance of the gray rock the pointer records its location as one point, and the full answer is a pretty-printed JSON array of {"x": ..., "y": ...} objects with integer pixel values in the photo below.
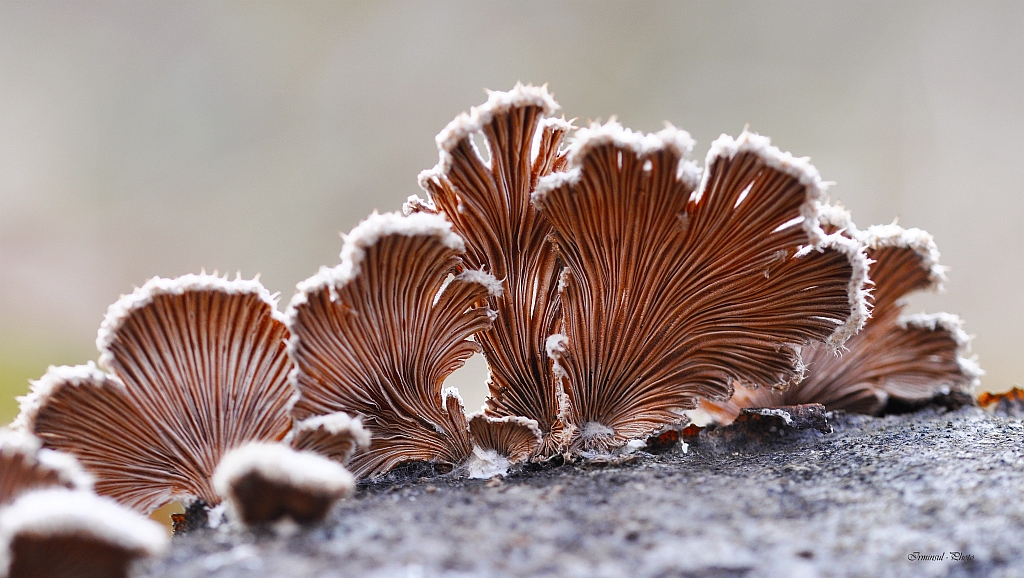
[{"x": 864, "y": 500}]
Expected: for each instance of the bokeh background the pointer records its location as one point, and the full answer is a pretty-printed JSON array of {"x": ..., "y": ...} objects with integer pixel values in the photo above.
[{"x": 142, "y": 138}]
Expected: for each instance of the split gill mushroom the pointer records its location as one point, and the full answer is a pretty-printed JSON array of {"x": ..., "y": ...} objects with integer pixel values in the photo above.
[
  {"x": 910, "y": 358},
  {"x": 195, "y": 366},
  {"x": 376, "y": 336},
  {"x": 676, "y": 287},
  {"x": 488, "y": 204}
]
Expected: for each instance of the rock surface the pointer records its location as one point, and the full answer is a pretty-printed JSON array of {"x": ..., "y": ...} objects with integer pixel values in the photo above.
[{"x": 860, "y": 501}]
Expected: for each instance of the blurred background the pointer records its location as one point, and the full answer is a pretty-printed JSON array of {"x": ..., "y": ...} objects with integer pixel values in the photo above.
[{"x": 141, "y": 139}]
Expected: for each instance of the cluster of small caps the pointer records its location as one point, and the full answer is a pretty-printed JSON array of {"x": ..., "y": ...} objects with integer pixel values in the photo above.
[{"x": 612, "y": 285}]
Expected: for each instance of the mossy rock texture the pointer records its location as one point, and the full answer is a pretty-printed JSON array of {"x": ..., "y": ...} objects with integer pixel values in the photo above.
[{"x": 876, "y": 497}]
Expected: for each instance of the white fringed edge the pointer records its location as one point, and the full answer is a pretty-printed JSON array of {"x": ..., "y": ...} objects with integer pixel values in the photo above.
[
  {"x": 953, "y": 325},
  {"x": 465, "y": 124},
  {"x": 143, "y": 296},
  {"x": 612, "y": 133},
  {"x": 799, "y": 168},
  {"x": 859, "y": 287},
  {"x": 920, "y": 241},
  {"x": 837, "y": 216},
  {"x": 365, "y": 235},
  {"x": 42, "y": 389},
  {"x": 493, "y": 286},
  {"x": 415, "y": 204},
  {"x": 67, "y": 468},
  {"x": 62, "y": 512},
  {"x": 335, "y": 423},
  {"x": 279, "y": 463},
  {"x": 813, "y": 210}
]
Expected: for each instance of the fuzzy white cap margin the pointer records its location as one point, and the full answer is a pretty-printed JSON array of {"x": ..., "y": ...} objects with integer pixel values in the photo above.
[
  {"x": 44, "y": 387},
  {"x": 62, "y": 512},
  {"x": 953, "y": 325},
  {"x": 67, "y": 468},
  {"x": 281, "y": 464},
  {"x": 336, "y": 423},
  {"x": 921, "y": 242},
  {"x": 465, "y": 124},
  {"x": 365, "y": 235},
  {"x": 143, "y": 296},
  {"x": 612, "y": 133},
  {"x": 857, "y": 289},
  {"x": 800, "y": 168}
]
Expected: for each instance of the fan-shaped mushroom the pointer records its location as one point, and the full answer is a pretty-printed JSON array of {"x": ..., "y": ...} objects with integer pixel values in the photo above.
[
  {"x": 676, "y": 287},
  {"x": 377, "y": 335},
  {"x": 58, "y": 533},
  {"x": 197, "y": 366},
  {"x": 335, "y": 435},
  {"x": 910, "y": 358},
  {"x": 488, "y": 203},
  {"x": 266, "y": 482}
]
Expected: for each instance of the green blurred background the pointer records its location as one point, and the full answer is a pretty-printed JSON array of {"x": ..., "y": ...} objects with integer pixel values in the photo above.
[{"x": 143, "y": 138}]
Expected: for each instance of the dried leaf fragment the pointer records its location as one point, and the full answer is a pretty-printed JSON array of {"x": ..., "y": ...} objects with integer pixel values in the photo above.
[
  {"x": 197, "y": 366},
  {"x": 377, "y": 335},
  {"x": 488, "y": 203},
  {"x": 264, "y": 483},
  {"x": 677, "y": 287}
]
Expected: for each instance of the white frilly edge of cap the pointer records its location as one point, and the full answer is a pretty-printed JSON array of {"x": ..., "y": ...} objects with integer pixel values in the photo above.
[
  {"x": 846, "y": 240},
  {"x": 365, "y": 235},
  {"x": 612, "y": 133},
  {"x": 43, "y": 388},
  {"x": 336, "y": 423},
  {"x": 143, "y": 296},
  {"x": 857, "y": 289},
  {"x": 466, "y": 124},
  {"x": 918, "y": 240},
  {"x": 66, "y": 467},
  {"x": 953, "y": 325},
  {"x": 493, "y": 286},
  {"x": 800, "y": 168},
  {"x": 281, "y": 464},
  {"x": 63, "y": 512}
]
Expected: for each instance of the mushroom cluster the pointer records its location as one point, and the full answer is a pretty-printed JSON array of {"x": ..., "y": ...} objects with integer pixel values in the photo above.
[{"x": 612, "y": 285}]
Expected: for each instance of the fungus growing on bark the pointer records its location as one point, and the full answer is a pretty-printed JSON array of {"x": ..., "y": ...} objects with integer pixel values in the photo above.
[
  {"x": 335, "y": 435},
  {"x": 909, "y": 358},
  {"x": 62, "y": 533},
  {"x": 197, "y": 366},
  {"x": 676, "y": 287},
  {"x": 266, "y": 482},
  {"x": 25, "y": 466},
  {"x": 488, "y": 203},
  {"x": 377, "y": 335}
]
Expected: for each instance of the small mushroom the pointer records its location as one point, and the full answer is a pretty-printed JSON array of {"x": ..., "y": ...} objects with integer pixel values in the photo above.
[
  {"x": 266, "y": 482},
  {"x": 195, "y": 367},
  {"x": 61, "y": 533},
  {"x": 377, "y": 335},
  {"x": 909, "y": 358},
  {"x": 335, "y": 435},
  {"x": 677, "y": 286},
  {"x": 500, "y": 442},
  {"x": 25, "y": 466},
  {"x": 488, "y": 203}
]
